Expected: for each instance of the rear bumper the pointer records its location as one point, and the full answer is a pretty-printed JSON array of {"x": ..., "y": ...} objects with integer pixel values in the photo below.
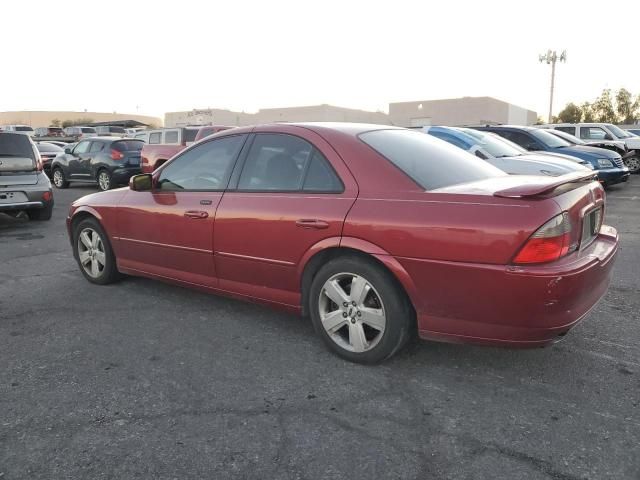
[
  {"x": 122, "y": 175},
  {"x": 5, "y": 207},
  {"x": 518, "y": 306}
]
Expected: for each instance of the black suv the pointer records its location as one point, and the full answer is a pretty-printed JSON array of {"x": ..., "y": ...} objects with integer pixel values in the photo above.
[{"x": 107, "y": 161}]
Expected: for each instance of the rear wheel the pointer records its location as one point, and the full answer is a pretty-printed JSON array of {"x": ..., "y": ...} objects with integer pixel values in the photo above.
[
  {"x": 59, "y": 179},
  {"x": 93, "y": 253},
  {"x": 359, "y": 310},
  {"x": 41, "y": 213}
]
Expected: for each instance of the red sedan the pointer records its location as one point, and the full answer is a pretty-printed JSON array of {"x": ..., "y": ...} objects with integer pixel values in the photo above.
[{"x": 375, "y": 232}]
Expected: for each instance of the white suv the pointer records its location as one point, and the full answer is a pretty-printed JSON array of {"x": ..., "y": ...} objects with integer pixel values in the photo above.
[
  {"x": 605, "y": 131},
  {"x": 24, "y": 129}
]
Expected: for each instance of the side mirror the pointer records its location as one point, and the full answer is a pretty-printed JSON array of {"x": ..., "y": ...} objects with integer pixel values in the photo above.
[
  {"x": 608, "y": 136},
  {"x": 67, "y": 150},
  {"x": 141, "y": 183}
]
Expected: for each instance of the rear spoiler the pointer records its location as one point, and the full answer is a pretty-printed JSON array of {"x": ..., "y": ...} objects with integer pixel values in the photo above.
[{"x": 547, "y": 185}]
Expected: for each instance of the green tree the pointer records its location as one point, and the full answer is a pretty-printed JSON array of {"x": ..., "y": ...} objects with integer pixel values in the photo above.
[
  {"x": 571, "y": 113},
  {"x": 588, "y": 114},
  {"x": 77, "y": 121},
  {"x": 625, "y": 106},
  {"x": 55, "y": 122},
  {"x": 540, "y": 120},
  {"x": 603, "y": 108}
]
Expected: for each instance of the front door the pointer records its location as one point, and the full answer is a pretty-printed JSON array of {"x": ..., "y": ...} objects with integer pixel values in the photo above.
[
  {"x": 76, "y": 157},
  {"x": 293, "y": 192},
  {"x": 168, "y": 231}
]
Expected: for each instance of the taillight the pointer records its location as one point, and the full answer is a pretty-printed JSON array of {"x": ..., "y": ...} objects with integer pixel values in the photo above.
[
  {"x": 116, "y": 155},
  {"x": 550, "y": 242},
  {"x": 46, "y": 196}
]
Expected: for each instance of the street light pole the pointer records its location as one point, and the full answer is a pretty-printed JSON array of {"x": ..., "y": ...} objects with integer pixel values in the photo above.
[{"x": 551, "y": 57}]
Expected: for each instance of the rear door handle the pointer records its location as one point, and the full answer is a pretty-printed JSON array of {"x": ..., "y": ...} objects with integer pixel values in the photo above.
[
  {"x": 195, "y": 214},
  {"x": 312, "y": 223}
]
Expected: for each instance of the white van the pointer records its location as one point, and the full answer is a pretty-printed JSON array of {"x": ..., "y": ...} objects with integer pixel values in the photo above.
[{"x": 24, "y": 129}]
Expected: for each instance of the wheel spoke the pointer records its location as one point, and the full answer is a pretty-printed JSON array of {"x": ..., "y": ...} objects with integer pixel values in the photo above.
[
  {"x": 86, "y": 241},
  {"x": 373, "y": 317},
  {"x": 359, "y": 290},
  {"x": 101, "y": 258},
  {"x": 95, "y": 270},
  {"x": 95, "y": 239},
  {"x": 333, "y": 321},
  {"x": 357, "y": 340},
  {"x": 84, "y": 257},
  {"x": 334, "y": 291}
]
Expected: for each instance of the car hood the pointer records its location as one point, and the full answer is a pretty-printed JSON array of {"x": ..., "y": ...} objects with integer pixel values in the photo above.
[
  {"x": 585, "y": 151},
  {"x": 553, "y": 158},
  {"x": 110, "y": 198}
]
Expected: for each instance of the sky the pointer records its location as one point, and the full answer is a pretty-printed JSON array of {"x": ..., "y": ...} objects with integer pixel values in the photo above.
[{"x": 152, "y": 57}]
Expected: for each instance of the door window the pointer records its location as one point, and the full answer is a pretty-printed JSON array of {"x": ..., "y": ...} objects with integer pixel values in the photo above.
[
  {"x": 96, "y": 147},
  {"x": 520, "y": 138},
  {"x": 171, "y": 136},
  {"x": 155, "y": 137},
  {"x": 206, "y": 167},
  {"x": 592, "y": 133},
  {"x": 82, "y": 147},
  {"x": 286, "y": 163}
]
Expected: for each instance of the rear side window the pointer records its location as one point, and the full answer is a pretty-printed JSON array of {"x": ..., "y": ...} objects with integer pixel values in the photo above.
[
  {"x": 155, "y": 138},
  {"x": 429, "y": 162},
  {"x": 190, "y": 134},
  {"x": 570, "y": 130},
  {"x": 127, "y": 145},
  {"x": 96, "y": 147},
  {"x": 24, "y": 129},
  {"x": 88, "y": 130},
  {"x": 171, "y": 136},
  {"x": 286, "y": 163}
]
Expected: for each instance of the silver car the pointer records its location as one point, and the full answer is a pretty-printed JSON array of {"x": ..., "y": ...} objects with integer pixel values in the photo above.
[{"x": 24, "y": 187}]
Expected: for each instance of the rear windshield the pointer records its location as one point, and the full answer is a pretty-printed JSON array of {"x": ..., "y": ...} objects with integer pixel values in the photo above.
[
  {"x": 16, "y": 153},
  {"x": 23, "y": 129},
  {"x": 88, "y": 130},
  {"x": 128, "y": 145},
  {"x": 190, "y": 134},
  {"x": 48, "y": 147},
  {"x": 54, "y": 129},
  {"x": 430, "y": 162}
]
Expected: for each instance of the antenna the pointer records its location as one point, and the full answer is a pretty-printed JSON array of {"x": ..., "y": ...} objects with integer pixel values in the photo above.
[{"x": 551, "y": 57}]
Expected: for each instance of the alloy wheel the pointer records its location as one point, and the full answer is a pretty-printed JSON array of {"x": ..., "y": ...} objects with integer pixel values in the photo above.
[
  {"x": 58, "y": 178},
  {"x": 104, "y": 181},
  {"x": 633, "y": 163},
  {"x": 352, "y": 312},
  {"x": 91, "y": 252}
]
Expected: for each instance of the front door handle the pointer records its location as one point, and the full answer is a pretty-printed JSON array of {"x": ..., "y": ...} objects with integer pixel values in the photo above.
[
  {"x": 312, "y": 223},
  {"x": 195, "y": 214}
]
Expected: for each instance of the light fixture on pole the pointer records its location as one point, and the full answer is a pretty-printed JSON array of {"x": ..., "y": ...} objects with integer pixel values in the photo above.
[{"x": 551, "y": 57}]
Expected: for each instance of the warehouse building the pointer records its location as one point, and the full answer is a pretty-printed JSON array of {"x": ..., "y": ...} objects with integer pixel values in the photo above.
[
  {"x": 45, "y": 118},
  {"x": 459, "y": 111}
]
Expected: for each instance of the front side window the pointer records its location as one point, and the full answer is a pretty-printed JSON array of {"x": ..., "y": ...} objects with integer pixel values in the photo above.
[
  {"x": 430, "y": 163},
  {"x": 206, "y": 167},
  {"x": 592, "y": 133},
  {"x": 82, "y": 147},
  {"x": 286, "y": 163},
  {"x": 155, "y": 138}
]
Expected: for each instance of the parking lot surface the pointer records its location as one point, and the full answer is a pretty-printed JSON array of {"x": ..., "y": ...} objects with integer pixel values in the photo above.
[{"x": 146, "y": 380}]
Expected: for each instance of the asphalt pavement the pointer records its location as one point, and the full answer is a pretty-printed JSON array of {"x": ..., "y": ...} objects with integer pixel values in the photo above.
[{"x": 142, "y": 379}]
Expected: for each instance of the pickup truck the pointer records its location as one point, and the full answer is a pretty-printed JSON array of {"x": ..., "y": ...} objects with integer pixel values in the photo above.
[{"x": 164, "y": 143}]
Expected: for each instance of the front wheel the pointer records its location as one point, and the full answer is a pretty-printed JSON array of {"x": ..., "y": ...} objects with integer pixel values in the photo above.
[
  {"x": 93, "y": 253},
  {"x": 359, "y": 310},
  {"x": 633, "y": 163},
  {"x": 59, "y": 179}
]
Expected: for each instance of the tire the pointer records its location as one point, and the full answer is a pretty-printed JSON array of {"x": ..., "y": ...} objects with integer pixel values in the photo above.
[
  {"x": 41, "y": 213},
  {"x": 633, "y": 163},
  {"x": 104, "y": 180},
  {"x": 372, "y": 330},
  {"x": 87, "y": 250},
  {"x": 58, "y": 178}
]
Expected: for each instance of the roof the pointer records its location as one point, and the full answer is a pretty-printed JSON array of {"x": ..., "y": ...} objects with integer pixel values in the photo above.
[{"x": 118, "y": 123}]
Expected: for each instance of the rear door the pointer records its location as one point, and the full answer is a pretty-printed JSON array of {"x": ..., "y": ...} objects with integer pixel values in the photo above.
[{"x": 293, "y": 192}]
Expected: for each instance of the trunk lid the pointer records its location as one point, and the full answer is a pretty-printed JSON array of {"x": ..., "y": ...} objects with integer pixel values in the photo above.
[{"x": 14, "y": 179}]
